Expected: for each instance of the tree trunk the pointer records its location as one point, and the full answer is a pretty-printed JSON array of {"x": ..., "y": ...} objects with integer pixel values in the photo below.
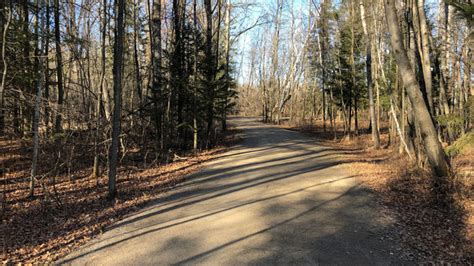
[
  {"x": 433, "y": 148},
  {"x": 425, "y": 53},
  {"x": 352, "y": 62},
  {"x": 402, "y": 116},
  {"x": 46, "y": 69},
  {"x": 39, "y": 30},
  {"x": 136, "y": 61},
  {"x": 195, "y": 79},
  {"x": 4, "y": 31},
  {"x": 467, "y": 84},
  {"x": 59, "y": 67},
  {"x": 209, "y": 72},
  {"x": 117, "y": 78},
  {"x": 157, "y": 78},
  {"x": 96, "y": 168},
  {"x": 373, "y": 116},
  {"x": 274, "y": 83},
  {"x": 227, "y": 61}
]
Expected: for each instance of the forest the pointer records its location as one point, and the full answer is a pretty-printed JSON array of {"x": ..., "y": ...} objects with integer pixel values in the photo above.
[
  {"x": 343, "y": 69},
  {"x": 105, "y": 105}
]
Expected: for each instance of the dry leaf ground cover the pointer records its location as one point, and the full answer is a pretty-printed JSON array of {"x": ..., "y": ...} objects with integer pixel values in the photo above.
[
  {"x": 70, "y": 207},
  {"x": 434, "y": 224}
]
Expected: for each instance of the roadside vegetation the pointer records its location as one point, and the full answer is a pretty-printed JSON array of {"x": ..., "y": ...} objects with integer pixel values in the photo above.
[{"x": 432, "y": 227}]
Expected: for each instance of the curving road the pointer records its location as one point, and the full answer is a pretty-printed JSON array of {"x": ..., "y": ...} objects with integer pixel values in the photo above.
[{"x": 276, "y": 198}]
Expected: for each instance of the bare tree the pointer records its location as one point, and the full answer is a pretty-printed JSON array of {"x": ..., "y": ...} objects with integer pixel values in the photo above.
[
  {"x": 157, "y": 77},
  {"x": 210, "y": 74},
  {"x": 59, "y": 66},
  {"x": 433, "y": 148},
  {"x": 40, "y": 47},
  {"x": 227, "y": 57},
  {"x": 5, "y": 27},
  {"x": 96, "y": 167},
  {"x": 373, "y": 116},
  {"x": 117, "y": 73},
  {"x": 419, "y": 12}
]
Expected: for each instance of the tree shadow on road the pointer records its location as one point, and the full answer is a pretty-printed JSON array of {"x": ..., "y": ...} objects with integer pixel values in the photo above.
[
  {"x": 291, "y": 156},
  {"x": 351, "y": 236}
]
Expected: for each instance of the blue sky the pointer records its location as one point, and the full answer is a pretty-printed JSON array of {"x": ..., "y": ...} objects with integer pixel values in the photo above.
[{"x": 264, "y": 7}]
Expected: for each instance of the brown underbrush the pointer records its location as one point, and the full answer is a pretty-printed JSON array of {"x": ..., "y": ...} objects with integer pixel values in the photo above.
[
  {"x": 70, "y": 206},
  {"x": 434, "y": 221}
]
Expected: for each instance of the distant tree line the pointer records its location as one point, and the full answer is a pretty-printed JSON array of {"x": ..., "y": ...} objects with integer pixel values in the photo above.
[{"x": 390, "y": 63}]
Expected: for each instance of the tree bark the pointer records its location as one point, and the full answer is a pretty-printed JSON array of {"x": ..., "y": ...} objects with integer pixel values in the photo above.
[
  {"x": 274, "y": 83},
  {"x": 59, "y": 67},
  {"x": 4, "y": 31},
  {"x": 46, "y": 69},
  {"x": 136, "y": 61},
  {"x": 433, "y": 148},
  {"x": 96, "y": 167},
  {"x": 352, "y": 61},
  {"x": 195, "y": 79},
  {"x": 117, "y": 78},
  {"x": 157, "y": 77},
  {"x": 227, "y": 61},
  {"x": 425, "y": 53},
  {"x": 39, "y": 29},
  {"x": 210, "y": 75},
  {"x": 323, "y": 43},
  {"x": 373, "y": 116},
  {"x": 467, "y": 87}
]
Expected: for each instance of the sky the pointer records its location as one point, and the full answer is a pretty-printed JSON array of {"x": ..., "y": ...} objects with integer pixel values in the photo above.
[{"x": 263, "y": 8}]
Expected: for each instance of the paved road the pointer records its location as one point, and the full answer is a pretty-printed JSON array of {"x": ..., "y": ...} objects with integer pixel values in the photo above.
[{"x": 276, "y": 198}]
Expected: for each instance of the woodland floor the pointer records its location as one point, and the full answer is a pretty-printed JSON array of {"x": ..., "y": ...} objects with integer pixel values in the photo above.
[
  {"x": 70, "y": 207},
  {"x": 431, "y": 227}
]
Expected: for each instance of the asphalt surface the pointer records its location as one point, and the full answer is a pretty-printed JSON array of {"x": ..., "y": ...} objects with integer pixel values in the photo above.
[{"x": 276, "y": 198}]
